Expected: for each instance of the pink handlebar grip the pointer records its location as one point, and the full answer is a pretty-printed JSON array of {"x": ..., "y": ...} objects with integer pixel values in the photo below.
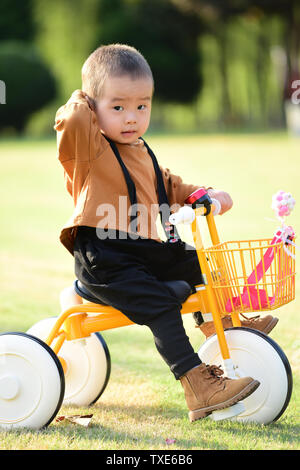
[{"x": 195, "y": 196}]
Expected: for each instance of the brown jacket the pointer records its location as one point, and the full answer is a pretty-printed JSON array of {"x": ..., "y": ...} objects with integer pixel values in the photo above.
[{"x": 93, "y": 175}]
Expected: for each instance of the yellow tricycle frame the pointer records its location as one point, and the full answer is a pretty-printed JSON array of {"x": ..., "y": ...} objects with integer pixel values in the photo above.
[{"x": 82, "y": 319}]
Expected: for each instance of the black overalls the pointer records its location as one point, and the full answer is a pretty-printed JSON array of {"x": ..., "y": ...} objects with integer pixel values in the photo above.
[{"x": 126, "y": 273}]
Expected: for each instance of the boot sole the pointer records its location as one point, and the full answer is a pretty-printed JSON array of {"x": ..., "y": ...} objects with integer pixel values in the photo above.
[
  {"x": 268, "y": 328},
  {"x": 204, "y": 412}
]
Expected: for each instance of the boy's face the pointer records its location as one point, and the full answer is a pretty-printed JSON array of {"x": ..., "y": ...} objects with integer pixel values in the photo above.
[{"x": 124, "y": 109}]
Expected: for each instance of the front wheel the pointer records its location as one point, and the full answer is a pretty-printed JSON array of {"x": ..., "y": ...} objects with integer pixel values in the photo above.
[{"x": 256, "y": 355}]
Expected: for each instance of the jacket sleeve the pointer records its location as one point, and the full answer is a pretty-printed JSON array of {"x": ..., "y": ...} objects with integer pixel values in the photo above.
[
  {"x": 177, "y": 191},
  {"x": 79, "y": 140},
  {"x": 78, "y": 133}
]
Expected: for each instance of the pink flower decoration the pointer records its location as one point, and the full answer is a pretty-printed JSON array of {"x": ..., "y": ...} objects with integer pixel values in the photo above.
[{"x": 170, "y": 441}]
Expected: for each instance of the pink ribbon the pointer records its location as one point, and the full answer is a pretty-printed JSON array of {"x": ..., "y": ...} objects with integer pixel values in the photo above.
[{"x": 251, "y": 296}]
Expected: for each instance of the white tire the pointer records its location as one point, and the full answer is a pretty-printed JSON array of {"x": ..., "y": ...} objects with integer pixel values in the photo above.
[
  {"x": 31, "y": 382},
  {"x": 88, "y": 364},
  {"x": 256, "y": 355}
]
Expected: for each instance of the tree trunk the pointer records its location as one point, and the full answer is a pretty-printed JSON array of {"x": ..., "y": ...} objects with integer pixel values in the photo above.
[{"x": 226, "y": 112}]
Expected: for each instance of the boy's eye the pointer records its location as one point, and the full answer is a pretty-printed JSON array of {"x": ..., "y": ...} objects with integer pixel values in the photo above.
[
  {"x": 118, "y": 108},
  {"x": 142, "y": 106}
]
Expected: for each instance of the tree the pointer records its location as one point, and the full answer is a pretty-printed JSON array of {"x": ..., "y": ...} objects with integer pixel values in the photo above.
[
  {"x": 167, "y": 37},
  {"x": 29, "y": 83},
  {"x": 16, "y": 21},
  {"x": 216, "y": 13},
  {"x": 65, "y": 32}
]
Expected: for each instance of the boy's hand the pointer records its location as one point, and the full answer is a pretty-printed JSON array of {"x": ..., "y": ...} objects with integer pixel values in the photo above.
[
  {"x": 223, "y": 198},
  {"x": 91, "y": 102}
]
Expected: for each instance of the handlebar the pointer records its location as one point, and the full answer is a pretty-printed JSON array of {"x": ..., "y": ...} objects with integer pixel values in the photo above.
[
  {"x": 186, "y": 214},
  {"x": 216, "y": 206}
]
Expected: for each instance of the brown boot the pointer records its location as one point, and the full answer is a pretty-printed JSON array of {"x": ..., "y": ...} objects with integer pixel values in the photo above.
[
  {"x": 205, "y": 391},
  {"x": 264, "y": 324}
]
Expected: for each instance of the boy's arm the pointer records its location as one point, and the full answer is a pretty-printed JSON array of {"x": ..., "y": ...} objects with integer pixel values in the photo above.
[
  {"x": 78, "y": 135},
  {"x": 79, "y": 140},
  {"x": 178, "y": 191}
]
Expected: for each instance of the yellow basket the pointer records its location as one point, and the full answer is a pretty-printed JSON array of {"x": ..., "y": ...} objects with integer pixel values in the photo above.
[{"x": 242, "y": 279}]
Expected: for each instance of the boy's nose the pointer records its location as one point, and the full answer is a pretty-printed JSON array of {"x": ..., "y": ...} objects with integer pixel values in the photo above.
[{"x": 130, "y": 118}]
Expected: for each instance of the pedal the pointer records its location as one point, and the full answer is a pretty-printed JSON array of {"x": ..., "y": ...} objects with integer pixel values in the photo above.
[{"x": 228, "y": 413}]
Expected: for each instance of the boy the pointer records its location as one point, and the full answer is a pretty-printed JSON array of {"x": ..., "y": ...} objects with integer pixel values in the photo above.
[{"x": 110, "y": 170}]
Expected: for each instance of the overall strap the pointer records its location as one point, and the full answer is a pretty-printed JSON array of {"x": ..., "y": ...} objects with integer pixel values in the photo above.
[
  {"x": 172, "y": 235},
  {"x": 130, "y": 184}
]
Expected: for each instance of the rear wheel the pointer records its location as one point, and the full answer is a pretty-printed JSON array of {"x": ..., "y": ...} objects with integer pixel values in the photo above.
[
  {"x": 256, "y": 355},
  {"x": 31, "y": 382},
  {"x": 88, "y": 364}
]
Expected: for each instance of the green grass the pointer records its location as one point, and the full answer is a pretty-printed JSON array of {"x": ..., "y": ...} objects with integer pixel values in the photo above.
[{"x": 142, "y": 405}]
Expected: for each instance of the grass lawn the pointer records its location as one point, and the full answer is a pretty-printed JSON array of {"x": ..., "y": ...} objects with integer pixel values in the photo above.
[{"x": 142, "y": 405}]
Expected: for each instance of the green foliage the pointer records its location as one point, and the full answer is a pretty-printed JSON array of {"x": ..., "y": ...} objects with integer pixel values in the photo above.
[
  {"x": 216, "y": 65},
  {"x": 165, "y": 36},
  {"x": 16, "y": 20},
  {"x": 29, "y": 83},
  {"x": 65, "y": 37}
]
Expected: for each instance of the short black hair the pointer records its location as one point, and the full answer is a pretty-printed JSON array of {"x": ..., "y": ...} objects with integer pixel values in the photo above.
[{"x": 112, "y": 60}]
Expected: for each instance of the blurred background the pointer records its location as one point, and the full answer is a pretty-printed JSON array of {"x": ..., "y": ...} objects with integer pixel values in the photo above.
[
  {"x": 225, "y": 114},
  {"x": 218, "y": 66}
]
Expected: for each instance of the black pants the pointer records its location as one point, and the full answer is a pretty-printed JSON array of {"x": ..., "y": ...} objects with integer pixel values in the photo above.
[{"x": 126, "y": 274}]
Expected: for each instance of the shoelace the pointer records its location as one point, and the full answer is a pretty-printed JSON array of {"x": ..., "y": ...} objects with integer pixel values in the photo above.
[
  {"x": 250, "y": 319},
  {"x": 213, "y": 373}
]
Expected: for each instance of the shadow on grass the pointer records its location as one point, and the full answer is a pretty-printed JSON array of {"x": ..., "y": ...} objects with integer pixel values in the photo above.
[
  {"x": 119, "y": 428},
  {"x": 163, "y": 417}
]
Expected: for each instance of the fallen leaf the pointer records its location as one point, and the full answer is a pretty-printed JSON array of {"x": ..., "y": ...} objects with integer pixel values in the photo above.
[
  {"x": 60, "y": 418},
  {"x": 83, "y": 420}
]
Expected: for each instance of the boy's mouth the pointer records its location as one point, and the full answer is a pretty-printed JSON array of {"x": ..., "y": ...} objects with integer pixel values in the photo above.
[{"x": 128, "y": 133}]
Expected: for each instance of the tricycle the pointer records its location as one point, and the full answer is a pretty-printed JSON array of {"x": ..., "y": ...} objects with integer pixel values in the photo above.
[{"x": 65, "y": 359}]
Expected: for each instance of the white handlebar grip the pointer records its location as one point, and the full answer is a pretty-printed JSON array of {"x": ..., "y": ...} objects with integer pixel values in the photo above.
[
  {"x": 217, "y": 205},
  {"x": 185, "y": 215}
]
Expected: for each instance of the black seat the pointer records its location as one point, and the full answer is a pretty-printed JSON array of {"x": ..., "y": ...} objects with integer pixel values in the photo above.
[
  {"x": 181, "y": 290},
  {"x": 81, "y": 290}
]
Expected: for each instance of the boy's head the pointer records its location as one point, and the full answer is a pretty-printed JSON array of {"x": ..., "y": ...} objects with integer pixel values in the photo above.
[{"x": 119, "y": 80}]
